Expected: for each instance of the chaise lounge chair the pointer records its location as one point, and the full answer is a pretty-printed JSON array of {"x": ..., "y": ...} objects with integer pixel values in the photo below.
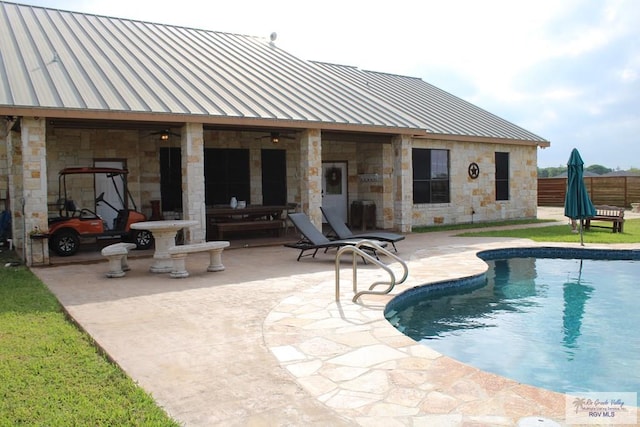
[
  {"x": 313, "y": 239},
  {"x": 343, "y": 232}
]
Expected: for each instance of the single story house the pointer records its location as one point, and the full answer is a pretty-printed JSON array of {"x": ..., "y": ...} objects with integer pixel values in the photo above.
[{"x": 198, "y": 117}]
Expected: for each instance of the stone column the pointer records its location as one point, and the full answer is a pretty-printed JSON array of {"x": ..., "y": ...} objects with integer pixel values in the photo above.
[
  {"x": 193, "y": 204},
  {"x": 387, "y": 200},
  {"x": 27, "y": 164},
  {"x": 255, "y": 179},
  {"x": 310, "y": 175},
  {"x": 402, "y": 183}
]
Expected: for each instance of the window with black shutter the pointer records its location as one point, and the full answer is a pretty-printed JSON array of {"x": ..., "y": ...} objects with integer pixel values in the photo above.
[
  {"x": 502, "y": 176},
  {"x": 430, "y": 175}
]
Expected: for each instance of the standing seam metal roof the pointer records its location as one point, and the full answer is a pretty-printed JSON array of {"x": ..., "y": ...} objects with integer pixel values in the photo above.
[
  {"x": 439, "y": 111},
  {"x": 64, "y": 60}
]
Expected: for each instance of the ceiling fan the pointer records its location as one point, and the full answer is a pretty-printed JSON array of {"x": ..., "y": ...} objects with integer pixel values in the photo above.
[
  {"x": 164, "y": 134},
  {"x": 275, "y": 137}
]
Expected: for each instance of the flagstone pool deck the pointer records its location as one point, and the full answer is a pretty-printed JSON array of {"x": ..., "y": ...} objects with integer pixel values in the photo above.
[{"x": 264, "y": 343}]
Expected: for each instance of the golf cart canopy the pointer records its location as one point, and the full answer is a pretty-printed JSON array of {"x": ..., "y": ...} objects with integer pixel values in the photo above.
[{"x": 110, "y": 173}]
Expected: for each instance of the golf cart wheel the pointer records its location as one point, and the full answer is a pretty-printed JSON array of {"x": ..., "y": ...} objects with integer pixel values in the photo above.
[
  {"x": 143, "y": 239},
  {"x": 65, "y": 243}
]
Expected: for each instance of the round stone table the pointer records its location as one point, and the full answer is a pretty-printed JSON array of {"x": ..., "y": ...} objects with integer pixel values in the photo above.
[{"x": 164, "y": 233}]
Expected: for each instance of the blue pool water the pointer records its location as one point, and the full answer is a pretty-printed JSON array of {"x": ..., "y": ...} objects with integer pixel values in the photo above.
[{"x": 568, "y": 325}]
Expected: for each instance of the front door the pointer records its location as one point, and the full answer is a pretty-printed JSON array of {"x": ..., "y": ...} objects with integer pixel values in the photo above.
[{"x": 334, "y": 188}]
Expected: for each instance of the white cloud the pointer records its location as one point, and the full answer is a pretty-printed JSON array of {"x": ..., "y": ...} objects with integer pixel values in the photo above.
[
  {"x": 560, "y": 94},
  {"x": 629, "y": 75}
]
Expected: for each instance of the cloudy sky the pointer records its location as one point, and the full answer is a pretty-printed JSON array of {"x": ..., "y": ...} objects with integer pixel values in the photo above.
[{"x": 567, "y": 70}]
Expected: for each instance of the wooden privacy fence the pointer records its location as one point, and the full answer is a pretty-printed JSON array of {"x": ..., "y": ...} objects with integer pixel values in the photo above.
[{"x": 603, "y": 190}]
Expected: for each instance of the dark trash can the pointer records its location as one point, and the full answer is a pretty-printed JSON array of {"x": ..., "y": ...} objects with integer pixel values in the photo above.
[{"x": 363, "y": 214}]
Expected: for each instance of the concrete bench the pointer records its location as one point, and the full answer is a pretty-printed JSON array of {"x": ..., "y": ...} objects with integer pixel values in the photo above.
[
  {"x": 613, "y": 214},
  {"x": 117, "y": 256},
  {"x": 222, "y": 227},
  {"x": 179, "y": 254}
]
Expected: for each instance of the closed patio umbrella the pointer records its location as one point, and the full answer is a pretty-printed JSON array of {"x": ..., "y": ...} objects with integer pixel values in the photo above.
[{"x": 577, "y": 204}]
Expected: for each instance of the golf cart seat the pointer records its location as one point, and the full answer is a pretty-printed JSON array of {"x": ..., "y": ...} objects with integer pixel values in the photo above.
[
  {"x": 88, "y": 214},
  {"x": 73, "y": 211}
]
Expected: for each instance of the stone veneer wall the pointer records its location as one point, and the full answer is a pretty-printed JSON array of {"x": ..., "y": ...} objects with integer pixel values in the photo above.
[
  {"x": 370, "y": 176},
  {"x": 402, "y": 183},
  {"x": 310, "y": 164},
  {"x": 144, "y": 182},
  {"x": 81, "y": 147},
  {"x": 478, "y": 195},
  {"x": 140, "y": 151},
  {"x": 26, "y": 153},
  {"x": 369, "y": 170},
  {"x": 193, "y": 194},
  {"x": 386, "y": 211},
  {"x": 293, "y": 173}
]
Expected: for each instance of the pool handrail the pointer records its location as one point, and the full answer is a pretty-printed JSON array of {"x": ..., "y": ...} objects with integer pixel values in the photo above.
[{"x": 358, "y": 252}]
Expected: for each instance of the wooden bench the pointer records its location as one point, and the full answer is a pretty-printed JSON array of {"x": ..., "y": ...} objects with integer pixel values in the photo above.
[
  {"x": 222, "y": 227},
  {"x": 612, "y": 214},
  {"x": 117, "y": 256},
  {"x": 179, "y": 255}
]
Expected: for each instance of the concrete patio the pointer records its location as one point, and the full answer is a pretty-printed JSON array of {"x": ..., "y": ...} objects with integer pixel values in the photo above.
[{"x": 264, "y": 342}]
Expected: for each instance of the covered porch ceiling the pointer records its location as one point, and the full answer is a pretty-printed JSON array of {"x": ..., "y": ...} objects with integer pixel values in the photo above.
[{"x": 334, "y": 135}]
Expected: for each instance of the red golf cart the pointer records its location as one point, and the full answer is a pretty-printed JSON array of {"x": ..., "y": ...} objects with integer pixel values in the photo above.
[{"x": 73, "y": 223}]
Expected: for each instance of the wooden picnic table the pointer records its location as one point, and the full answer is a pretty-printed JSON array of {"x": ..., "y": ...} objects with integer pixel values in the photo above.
[{"x": 221, "y": 219}]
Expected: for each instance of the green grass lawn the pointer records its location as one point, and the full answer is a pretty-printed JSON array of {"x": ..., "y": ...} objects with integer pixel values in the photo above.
[
  {"x": 544, "y": 233},
  {"x": 431, "y": 228},
  {"x": 51, "y": 374},
  {"x": 562, "y": 233}
]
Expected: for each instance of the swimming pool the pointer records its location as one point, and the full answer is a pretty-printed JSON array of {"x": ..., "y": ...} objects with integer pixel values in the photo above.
[{"x": 540, "y": 317}]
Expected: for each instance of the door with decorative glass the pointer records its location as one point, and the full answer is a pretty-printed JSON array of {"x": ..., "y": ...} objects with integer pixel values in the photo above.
[{"x": 334, "y": 188}]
